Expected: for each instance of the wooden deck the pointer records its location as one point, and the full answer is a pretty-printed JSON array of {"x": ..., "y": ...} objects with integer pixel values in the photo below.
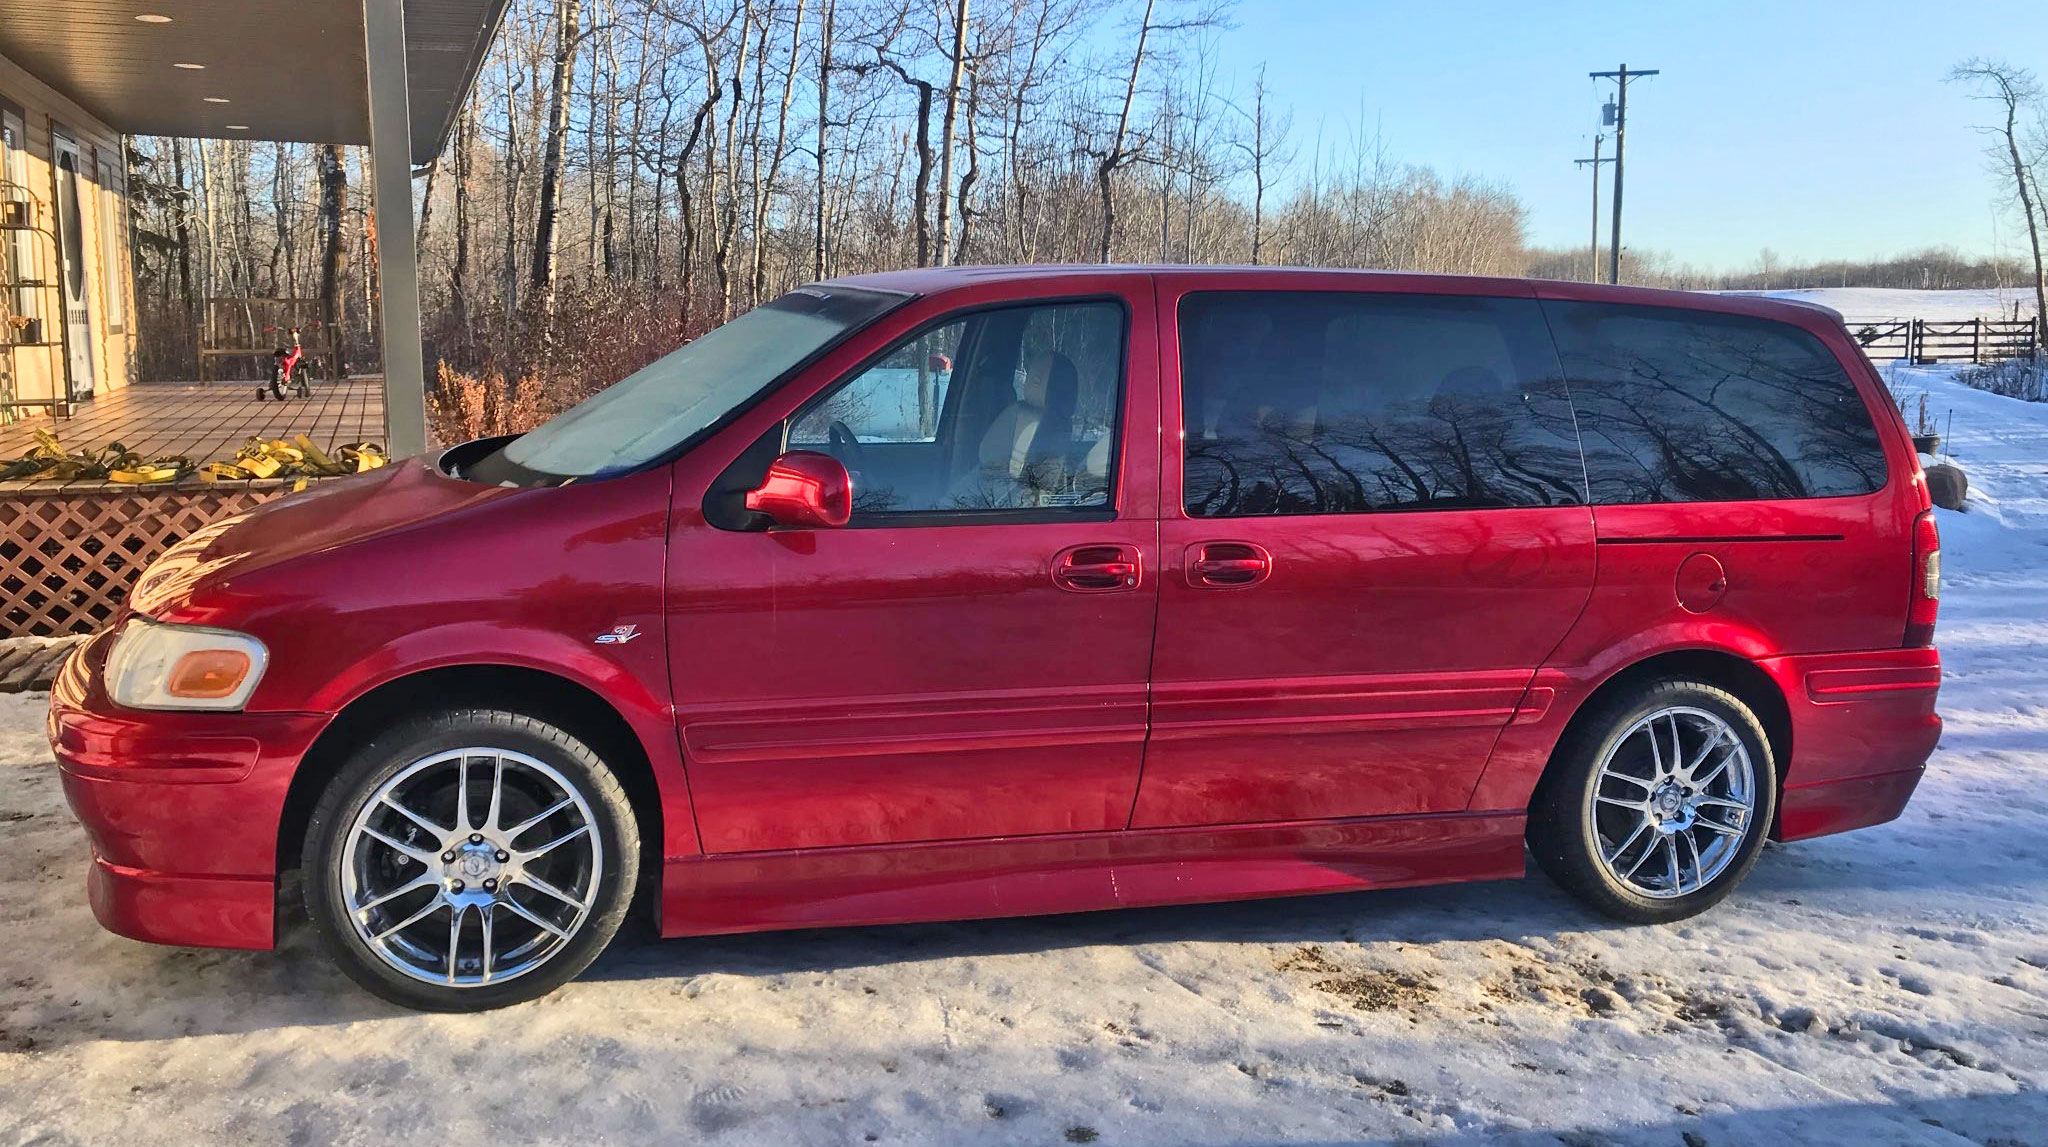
[{"x": 206, "y": 422}]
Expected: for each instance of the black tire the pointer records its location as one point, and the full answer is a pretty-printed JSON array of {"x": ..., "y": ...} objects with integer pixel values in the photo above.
[
  {"x": 277, "y": 384},
  {"x": 1565, "y": 836},
  {"x": 393, "y": 751}
]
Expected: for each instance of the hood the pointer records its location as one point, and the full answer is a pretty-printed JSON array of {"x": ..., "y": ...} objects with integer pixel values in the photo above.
[{"x": 330, "y": 515}]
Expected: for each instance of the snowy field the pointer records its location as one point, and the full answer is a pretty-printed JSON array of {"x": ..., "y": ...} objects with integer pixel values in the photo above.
[
  {"x": 1864, "y": 304},
  {"x": 1885, "y": 987}
]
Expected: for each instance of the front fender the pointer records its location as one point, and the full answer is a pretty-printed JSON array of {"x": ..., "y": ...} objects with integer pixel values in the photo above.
[{"x": 631, "y": 677}]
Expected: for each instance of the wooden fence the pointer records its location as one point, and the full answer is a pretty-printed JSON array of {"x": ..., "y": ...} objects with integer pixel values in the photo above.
[
  {"x": 1959, "y": 340},
  {"x": 69, "y": 556}
]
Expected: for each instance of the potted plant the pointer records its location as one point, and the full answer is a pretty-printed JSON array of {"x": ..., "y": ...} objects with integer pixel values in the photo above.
[{"x": 1925, "y": 439}]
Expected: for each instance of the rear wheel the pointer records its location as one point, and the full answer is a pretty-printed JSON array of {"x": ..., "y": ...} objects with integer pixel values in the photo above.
[
  {"x": 470, "y": 860},
  {"x": 1658, "y": 803}
]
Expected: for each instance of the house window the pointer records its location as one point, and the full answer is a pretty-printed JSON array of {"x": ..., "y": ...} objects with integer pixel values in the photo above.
[
  {"x": 113, "y": 266},
  {"x": 17, "y": 250}
]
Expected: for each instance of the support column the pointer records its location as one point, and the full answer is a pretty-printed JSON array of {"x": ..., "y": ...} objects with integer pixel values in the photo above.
[{"x": 398, "y": 277}]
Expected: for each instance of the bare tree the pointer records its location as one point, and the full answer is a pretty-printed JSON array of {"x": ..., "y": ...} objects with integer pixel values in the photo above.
[
  {"x": 2014, "y": 91},
  {"x": 824, "y": 121},
  {"x": 333, "y": 204},
  {"x": 958, "y": 56},
  {"x": 1265, "y": 152},
  {"x": 458, "y": 276},
  {"x": 568, "y": 35},
  {"x": 764, "y": 186},
  {"x": 920, "y": 208},
  {"x": 677, "y": 182},
  {"x": 1113, "y": 156}
]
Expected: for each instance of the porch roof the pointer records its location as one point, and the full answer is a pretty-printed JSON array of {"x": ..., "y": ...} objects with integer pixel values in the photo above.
[{"x": 290, "y": 70}]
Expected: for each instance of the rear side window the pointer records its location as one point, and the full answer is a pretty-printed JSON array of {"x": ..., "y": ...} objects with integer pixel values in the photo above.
[
  {"x": 1331, "y": 403},
  {"x": 1684, "y": 406}
]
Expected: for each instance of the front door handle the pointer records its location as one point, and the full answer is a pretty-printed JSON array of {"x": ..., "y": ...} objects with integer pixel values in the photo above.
[
  {"x": 1227, "y": 565},
  {"x": 1098, "y": 568}
]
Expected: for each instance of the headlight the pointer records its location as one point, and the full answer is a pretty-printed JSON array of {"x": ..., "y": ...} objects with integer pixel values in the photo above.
[{"x": 159, "y": 666}]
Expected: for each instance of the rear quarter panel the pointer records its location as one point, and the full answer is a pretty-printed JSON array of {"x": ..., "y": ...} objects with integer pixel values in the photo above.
[{"x": 1803, "y": 577}]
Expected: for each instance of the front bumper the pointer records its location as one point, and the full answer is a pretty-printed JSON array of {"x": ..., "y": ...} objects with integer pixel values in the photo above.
[{"x": 182, "y": 809}]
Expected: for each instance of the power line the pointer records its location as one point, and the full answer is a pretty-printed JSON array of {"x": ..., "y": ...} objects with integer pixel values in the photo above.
[{"x": 1619, "y": 116}]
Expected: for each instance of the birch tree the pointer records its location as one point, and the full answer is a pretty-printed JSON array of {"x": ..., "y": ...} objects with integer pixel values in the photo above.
[{"x": 2014, "y": 92}]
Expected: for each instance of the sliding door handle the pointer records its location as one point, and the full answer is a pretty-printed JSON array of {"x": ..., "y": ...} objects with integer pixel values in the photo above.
[{"x": 1227, "y": 565}]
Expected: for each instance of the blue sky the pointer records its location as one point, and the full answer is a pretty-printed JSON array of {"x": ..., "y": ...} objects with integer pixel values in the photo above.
[{"x": 1816, "y": 128}]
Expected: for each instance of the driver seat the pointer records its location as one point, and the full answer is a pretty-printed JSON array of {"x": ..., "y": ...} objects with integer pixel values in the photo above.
[{"x": 995, "y": 481}]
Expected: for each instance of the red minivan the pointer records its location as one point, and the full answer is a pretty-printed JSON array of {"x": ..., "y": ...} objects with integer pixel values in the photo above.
[{"x": 994, "y": 591}]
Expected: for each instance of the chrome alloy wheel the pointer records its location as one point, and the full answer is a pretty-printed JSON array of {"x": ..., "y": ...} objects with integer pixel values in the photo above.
[
  {"x": 471, "y": 867},
  {"x": 1672, "y": 802}
]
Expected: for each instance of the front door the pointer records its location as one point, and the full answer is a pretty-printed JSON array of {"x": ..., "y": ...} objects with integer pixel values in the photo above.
[
  {"x": 967, "y": 658},
  {"x": 1375, "y": 532},
  {"x": 73, "y": 260}
]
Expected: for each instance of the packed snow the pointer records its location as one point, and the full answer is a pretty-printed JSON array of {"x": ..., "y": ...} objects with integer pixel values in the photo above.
[
  {"x": 1884, "y": 987},
  {"x": 1867, "y": 304}
]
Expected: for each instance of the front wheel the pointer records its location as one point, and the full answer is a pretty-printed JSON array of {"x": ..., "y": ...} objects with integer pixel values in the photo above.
[
  {"x": 470, "y": 860},
  {"x": 1658, "y": 803}
]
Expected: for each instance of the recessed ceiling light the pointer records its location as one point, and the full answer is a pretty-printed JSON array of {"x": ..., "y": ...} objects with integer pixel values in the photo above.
[
  {"x": 215, "y": 99},
  {"x": 191, "y": 67},
  {"x": 238, "y": 127},
  {"x": 153, "y": 18}
]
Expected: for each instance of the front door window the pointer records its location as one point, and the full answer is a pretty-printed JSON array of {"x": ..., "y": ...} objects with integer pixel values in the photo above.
[{"x": 1009, "y": 409}]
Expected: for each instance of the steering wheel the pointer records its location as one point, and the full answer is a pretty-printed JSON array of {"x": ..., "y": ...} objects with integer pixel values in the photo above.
[{"x": 845, "y": 446}]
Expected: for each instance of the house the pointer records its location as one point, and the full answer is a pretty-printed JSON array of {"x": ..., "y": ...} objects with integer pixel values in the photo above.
[
  {"x": 65, "y": 286},
  {"x": 77, "y": 78}
]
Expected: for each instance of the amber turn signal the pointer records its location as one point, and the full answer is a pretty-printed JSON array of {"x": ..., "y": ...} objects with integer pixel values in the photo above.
[{"x": 208, "y": 673}]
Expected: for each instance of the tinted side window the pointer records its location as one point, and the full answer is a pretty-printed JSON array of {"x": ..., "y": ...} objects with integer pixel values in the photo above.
[
  {"x": 1322, "y": 403},
  {"x": 1683, "y": 406}
]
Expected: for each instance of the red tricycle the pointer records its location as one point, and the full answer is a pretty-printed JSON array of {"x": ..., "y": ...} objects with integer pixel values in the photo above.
[{"x": 287, "y": 376}]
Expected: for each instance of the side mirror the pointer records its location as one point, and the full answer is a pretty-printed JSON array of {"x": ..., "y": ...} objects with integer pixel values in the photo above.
[{"x": 806, "y": 490}]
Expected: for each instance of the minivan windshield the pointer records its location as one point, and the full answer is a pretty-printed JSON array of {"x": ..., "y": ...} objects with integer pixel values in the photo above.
[{"x": 676, "y": 398}]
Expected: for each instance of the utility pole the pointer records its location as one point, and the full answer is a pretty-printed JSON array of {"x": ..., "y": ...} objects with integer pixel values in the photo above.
[
  {"x": 1618, "y": 115},
  {"x": 1593, "y": 266}
]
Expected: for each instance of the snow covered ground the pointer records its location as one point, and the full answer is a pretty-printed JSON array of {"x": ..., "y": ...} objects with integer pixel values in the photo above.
[
  {"x": 1863, "y": 304},
  {"x": 1884, "y": 987}
]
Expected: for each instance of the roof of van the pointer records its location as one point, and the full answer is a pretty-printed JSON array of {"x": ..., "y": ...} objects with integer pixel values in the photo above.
[{"x": 939, "y": 280}]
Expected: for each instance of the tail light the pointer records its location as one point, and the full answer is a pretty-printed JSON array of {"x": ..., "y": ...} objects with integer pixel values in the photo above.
[{"x": 1926, "y": 594}]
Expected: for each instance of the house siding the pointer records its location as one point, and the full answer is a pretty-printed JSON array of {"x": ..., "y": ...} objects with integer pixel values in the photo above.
[{"x": 34, "y": 373}]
